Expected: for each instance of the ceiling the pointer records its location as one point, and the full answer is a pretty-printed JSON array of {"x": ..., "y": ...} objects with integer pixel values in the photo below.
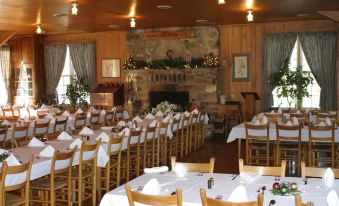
[{"x": 96, "y": 15}]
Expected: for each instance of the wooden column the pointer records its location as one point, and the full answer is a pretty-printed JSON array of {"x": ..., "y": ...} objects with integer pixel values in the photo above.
[{"x": 250, "y": 98}]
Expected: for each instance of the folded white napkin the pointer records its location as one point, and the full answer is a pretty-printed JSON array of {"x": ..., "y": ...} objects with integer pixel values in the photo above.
[
  {"x": 289, "y": 123},
  {"x": 295, "y": 121},
  {"x": 149, "y": 116},
  {"x": 64, "y": 136},
  {"x": 49, "y": 116},
  {"x": 195, "y": 111},
  {"x": 155, "y": 170},
  {"x": 177, "y": 116},
  {"x": 257, "y": 122},
  {"x": 47, "y": 152},
  {"x": 126, "y": 130},
  {"x": 328, "y": 121},
  {"x": 186, "y": 113},
  {"x": 180, "y": 170},
  {"x": 248, "y": 177},
  {"x": 332, "y": 198},
  {"x": 272, "y": 112},
  {"x": 166, "y": 119},
  {"x": 137, "y": 118},
  {"x": 12, "y": 161},
  {"x": 43, "y": 106},
  {"x": 35, "y": 143},
  {"x": 264, "y": 120},
  {"x": 279, "y": 111},
  {"x": 103, "y": 111},
  {"x": 159, "y": 114},
  {"x": 239, "y": 194},
  {"x": 322, "y": 124},
  {"x": 5, "y": 122},
  {"x": 86, "y": 131},
  {"x": 121, "y": 124},
  {"x": 2, "y": 151},
  {"x": 298, "y": 112},
  {"x": 152, "y": 187},
  {"x": 153, "y": 123},
  {"x": 79, "y": 111},
  {"x": 66, "y": 114},
  {"x": 76, "y": 142},
  {"x": 328, "y": 177},
  {"x": 103, "y": 136}
]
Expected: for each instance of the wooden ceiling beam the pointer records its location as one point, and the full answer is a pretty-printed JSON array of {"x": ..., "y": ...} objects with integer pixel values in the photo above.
[
  {"x": 5, "y": 36},
  {"x": 331, "y": 14}
]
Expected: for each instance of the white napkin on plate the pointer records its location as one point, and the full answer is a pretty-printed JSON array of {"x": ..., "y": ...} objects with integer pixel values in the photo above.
[
  {"x": 103, "y": 111},
  {"x": 86, "y": 131},
  {"x": 264, "y": 120},
  {"x": 328, "y": 177},
  {"x": 66, "y": 114},
  {"x": 239, "y": 194},
  {"x": 332, "y": 198},
  {"x": 295, "y": 121},
  {"x": 180, "y": 170},
  {"x": 248, "y": 177},
  {"x": 149, "y": 116},
  {"x": 5, "y": 122},
  {"x": 322, "y": 124},
  {"x": 279, "y": 111},
  {"x": 159, "y": 114},
  {"x": 138, "y": 119},
  {"x": 272, "y": 112},
  {"x": 47, "y": 152},
  {"x": 79, "y": 111},
  {"x": 186, "y": 113},
  {"x": 289, "y": 123},
  {"x": 64, "y": 136},
  {"x": 12, "y": 161},
  {"x": 153, "y": 123},
  {"x": 126, "y": 130},
  {"x": 103, "y": 136},
  {"x": 155, "y": 170},
  {"x": 257, "y": 122},
  {"x": 35, "y": 143},
  {"x": 328, "y": 121},
  {"x": 177, "y": 116},
  {"x": 121, "y": 124},
  {"x": 298, "y": 112},
  {"x": 152, "y": 187},
  {"x": 76, "y": 142},
  {"x": 166, "y": 119},
  {"x": 49, "y": 116},
  {"x": 195, "y": 111}
]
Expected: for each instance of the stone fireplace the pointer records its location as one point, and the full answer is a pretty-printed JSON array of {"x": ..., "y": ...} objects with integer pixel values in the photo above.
[{"x": 176, "y": 97}]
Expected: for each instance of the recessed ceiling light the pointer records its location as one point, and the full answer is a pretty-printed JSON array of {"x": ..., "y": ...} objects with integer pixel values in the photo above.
[
  {"x": 303, "y": 15},
  {"x": 74, "y": 10},
  {"x": 201, "y": 21},
  {"x": 164, "y": 6},
  {"x": 132, "y": 22},
  {"x": 114, "y": 26},
  {"x": 221, "y": 2}
]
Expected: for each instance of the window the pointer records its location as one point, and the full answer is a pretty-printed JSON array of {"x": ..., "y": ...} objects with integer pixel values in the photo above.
[
  {"x": 67, "y": 77},
  {"x": 3, "y": 90},
  {"x": 298, "y": 58}
]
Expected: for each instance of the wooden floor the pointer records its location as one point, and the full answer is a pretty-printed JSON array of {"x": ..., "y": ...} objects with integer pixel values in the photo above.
[{"x": 225, "y": 154}]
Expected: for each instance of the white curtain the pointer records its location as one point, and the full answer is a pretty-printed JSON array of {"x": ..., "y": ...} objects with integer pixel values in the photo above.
[{"x": 5, "y": 73}]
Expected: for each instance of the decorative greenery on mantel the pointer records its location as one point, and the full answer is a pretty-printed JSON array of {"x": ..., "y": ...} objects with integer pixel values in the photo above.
[{"x": 209, "y": 61}]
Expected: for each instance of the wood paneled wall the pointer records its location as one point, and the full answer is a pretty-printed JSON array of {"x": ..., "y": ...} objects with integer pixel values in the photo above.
[
  {"x": 108, "y": 45},
  {"x": 248, "y": 38}
]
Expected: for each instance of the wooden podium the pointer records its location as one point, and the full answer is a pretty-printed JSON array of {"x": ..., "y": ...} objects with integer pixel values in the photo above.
[{"x": 250, "y": 98}]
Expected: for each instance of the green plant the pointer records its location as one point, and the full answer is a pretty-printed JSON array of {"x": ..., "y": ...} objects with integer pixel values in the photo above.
[
  {"x": 77, "y": 92},
  {"x": 291, "y": 84}
]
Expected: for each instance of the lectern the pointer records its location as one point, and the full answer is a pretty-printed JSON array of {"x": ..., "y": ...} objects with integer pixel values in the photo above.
[{"x": 250, "y": 98}]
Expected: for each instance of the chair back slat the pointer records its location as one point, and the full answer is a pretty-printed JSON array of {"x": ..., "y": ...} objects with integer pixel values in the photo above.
[
  {"x": 195, "y": 167},
  {"x": 263, "y": 170}
]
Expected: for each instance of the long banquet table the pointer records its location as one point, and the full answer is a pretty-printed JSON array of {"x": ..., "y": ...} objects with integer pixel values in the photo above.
[{"x": 314, "y": 191}]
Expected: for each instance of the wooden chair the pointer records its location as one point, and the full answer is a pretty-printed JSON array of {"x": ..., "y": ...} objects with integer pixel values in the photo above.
[
  {"x": 263, "y": 170},
  {"x": 3, "y": 138},
  {"x": 274, "y": 117},
  {"x": 8, "y": 113},
  {"x": 316, "y": 171},
  {"x": 193, "y": 142},
  {"x": 149, "y": 146},
  {"x": 288, "y": 143},
  {"x": 195, "y": 167},
  {"x": 257, "y": 144},
  {"x": 298, "y": 201},
  {"x": 57, "y": 187},
  {"x": 118, "y": 115},
  {"x": 20, "y": 136},
  {"x": 109, "y": 118},
  {"x": 8, "y": 196},
  {"x": 182, "y": 141},
  {"x": 110, "y": 175},
  {"x": 301, "y": 117},
  {"x": 172, "y": 146},
  {"x": 207, "y": 201},
  {"x": 161, "y": 146},
  {"x": 130, "y": 157},
  {"x": 40, "y": 129},
  {"x": 321, "y": 141},
  {"x": 84, "y": 176},
  {"x": 94, "y": 120},
  {"x": 322, "y": 117},
  {"x": 79, "y": 123},
  {"x": 201, "y": 130},
  {"x": 155, "y": 200}
]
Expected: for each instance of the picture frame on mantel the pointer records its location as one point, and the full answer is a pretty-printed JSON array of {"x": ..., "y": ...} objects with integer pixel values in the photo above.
[
  {"x": 241, "y": 67},
  {"x": 110, "y": 68}
]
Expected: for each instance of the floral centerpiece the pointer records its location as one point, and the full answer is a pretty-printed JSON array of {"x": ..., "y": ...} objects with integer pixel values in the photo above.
[{"x": 167, "y": 107}]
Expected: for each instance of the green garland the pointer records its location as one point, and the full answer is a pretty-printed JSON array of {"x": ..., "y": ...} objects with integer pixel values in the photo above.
[{"x": 209, "y": 61}]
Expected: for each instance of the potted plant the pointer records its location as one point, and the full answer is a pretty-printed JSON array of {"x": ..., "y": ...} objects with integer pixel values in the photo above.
[
  {"x": 291, "y": 84},
  {"x": 77, "y": 92}
]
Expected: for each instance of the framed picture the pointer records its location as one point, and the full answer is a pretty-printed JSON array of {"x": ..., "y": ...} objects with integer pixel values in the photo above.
[
  {"x": 241, "y": 67},
  {"x": 111, "y": 68}
]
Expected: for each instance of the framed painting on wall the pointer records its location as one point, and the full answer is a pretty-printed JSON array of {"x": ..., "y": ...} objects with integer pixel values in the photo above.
[
  {"x": 241, "y": 67},
  {"x": 110, "y": 68}
]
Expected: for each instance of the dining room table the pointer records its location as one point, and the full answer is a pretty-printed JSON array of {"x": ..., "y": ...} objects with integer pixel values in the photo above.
[{"x": 313, "y": 190}]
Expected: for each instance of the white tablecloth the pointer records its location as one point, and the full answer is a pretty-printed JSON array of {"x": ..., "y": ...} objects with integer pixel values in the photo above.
[{"x": 314, "y": 191}]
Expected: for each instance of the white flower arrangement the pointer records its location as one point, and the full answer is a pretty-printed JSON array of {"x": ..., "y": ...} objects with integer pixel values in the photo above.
[{"x": 166, "y": 107}]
